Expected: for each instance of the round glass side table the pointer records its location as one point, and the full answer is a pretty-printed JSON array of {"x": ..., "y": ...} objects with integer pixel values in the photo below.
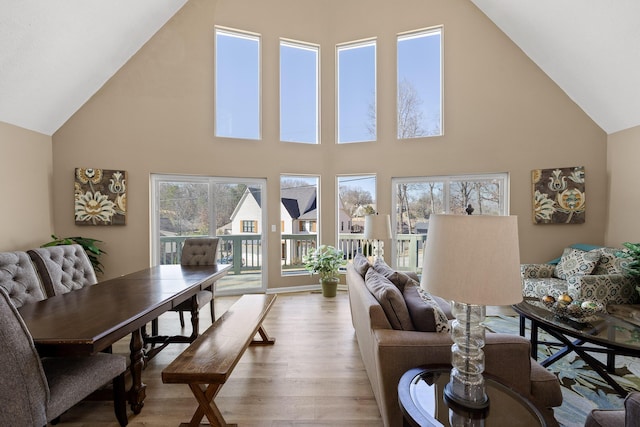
[{"x": 420, "y": 393}]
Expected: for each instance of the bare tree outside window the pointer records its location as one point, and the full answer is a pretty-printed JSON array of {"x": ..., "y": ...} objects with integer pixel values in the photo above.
[
  {"x": 482, "y": 195},
  {"x": 410, "y": 116},
  {"x": 419, "y": 84},
  {"x": 416, "y": 199}
]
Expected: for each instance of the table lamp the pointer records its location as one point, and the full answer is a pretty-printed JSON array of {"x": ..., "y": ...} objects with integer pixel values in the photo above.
[
  {"x": 474, "y": 261},
  {"x": 376, "y": 228}
]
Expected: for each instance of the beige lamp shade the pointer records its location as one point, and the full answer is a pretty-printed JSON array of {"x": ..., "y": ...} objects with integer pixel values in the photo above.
[
  {"x": 377, "y": 227},
  {"x": 473, "y": 259}
]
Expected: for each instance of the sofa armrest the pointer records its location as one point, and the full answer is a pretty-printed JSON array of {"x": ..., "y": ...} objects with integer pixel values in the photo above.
[
  {"x": 632, "y": 408},
  {"x": 506, "y": 356},
  {"x": 604, "y": 288},
  {"x": 536, "y": 271}
]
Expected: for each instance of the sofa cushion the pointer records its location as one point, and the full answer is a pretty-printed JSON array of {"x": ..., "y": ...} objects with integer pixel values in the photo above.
[
  {"x": 396, "y": 277},
  {"x": 545, "y": 286},
  {"x": 426, "y": 310},
  {"x": 391, "y": 300},
  {"x": 361, "y": 264},
  {"x": 609, "y": 263},
  {"x": 575, "y": 262}
]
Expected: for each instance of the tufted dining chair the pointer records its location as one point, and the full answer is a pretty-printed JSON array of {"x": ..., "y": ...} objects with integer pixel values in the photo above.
[
  {"x": 63, "y": 268},
  {"x": 35, "y": 391},
  {"x": 196, "y": 251},
  {"x": 18, "y": 277}
]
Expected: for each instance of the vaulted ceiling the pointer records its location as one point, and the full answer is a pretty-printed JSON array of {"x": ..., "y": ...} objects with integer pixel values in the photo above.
[{"x": 54, "y": 55}]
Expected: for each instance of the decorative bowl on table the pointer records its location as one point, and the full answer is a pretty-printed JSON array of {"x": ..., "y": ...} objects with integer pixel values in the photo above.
[{"x": 567, "y": 308}]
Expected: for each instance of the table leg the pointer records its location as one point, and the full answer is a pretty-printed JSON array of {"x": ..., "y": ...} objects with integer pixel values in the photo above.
[
  {"x": 534, "y": 340},
  {"x": 594, "y": 363},
  {"x": 195, "y": 319},
  {"x": 137, "y": 393},
  {"x": 611, "y": 362}
]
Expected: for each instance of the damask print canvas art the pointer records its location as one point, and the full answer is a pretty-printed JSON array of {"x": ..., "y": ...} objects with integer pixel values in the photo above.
[
  {"x": 100, "y": 197},
  {"x": 558, "y": 195}
]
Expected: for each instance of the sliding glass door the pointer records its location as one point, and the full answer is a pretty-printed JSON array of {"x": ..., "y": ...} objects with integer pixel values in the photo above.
[{"x": 228, "y": 208}]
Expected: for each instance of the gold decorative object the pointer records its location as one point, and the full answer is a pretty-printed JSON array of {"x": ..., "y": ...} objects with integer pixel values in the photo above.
[{"x": 578, "y": 311}]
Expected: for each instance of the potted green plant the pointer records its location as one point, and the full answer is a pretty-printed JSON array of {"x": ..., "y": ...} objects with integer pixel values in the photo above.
[
  {"x": 632, "y": 253},
  {"x": 89, "y": 245},
  {"x": 326, "y": 261}
]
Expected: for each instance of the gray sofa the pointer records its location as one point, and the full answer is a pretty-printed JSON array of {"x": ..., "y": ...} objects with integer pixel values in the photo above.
[{"x": 388, "y": 353}]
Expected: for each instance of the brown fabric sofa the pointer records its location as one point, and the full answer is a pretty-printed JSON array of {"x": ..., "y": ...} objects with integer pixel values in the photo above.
[
  {"x": 627, "y": 417},
  {"x": 388, "y": 353}
]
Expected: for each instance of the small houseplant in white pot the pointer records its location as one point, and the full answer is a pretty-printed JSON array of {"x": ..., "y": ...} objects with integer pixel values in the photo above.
[{"x": 326, "y": 261}]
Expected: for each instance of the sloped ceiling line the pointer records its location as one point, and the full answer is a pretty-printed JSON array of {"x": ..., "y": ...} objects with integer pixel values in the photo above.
[{"x": 55, "y": 55}]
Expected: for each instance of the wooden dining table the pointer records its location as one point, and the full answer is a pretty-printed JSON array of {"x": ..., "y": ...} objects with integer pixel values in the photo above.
[{"x": 89, "y": 320}]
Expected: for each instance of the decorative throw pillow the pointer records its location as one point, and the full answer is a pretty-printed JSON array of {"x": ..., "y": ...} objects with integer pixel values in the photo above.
[
  {"x": 609, "y": 263},
  {"x": 361, "y": 264},
  {"x": 391, "y": 300},
  {"x": 425, "y": 309},
  {"x": 396, "y": 277},
  {"x": 575, "y": 262}
]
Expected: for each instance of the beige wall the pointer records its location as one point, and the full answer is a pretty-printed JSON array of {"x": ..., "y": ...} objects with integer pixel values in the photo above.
[
  {"x": 26, "y": 219},
  {"x": 502, "y": 114},
  {"x": 623, "y": 153}
]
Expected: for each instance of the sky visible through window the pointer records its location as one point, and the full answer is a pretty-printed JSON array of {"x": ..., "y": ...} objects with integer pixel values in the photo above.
[
  {"x": 238, "y": 91},
  {"x": 357, "y": 92},
  {"x": 419, "y": 84},
  {"x": 298, "y": 93}
]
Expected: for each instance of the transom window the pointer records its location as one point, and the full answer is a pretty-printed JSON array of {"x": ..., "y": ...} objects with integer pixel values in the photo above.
[
  {"x": 299, "y": 112},
  {"x": 419, "y": 84},
  {"x": 356, "y": 92},
  {"x": 237, "y": 84}
]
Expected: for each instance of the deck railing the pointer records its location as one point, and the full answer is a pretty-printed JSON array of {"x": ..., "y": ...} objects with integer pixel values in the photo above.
[{"x": 244, "y": 251}]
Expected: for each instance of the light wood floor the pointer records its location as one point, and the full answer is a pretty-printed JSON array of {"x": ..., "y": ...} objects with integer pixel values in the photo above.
[{"x": 312, "y": 376}]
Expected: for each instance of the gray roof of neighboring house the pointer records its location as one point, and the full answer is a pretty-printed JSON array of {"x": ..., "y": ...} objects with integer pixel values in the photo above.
[{"x": 300, "y": 202}]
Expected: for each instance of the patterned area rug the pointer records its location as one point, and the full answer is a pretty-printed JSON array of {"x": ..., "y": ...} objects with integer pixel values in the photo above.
[{"x": 582, "y": 388}]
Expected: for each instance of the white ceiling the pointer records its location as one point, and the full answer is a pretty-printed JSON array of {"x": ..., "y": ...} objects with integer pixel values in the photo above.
[
  {"x": 590, "y": 48},
  {"x": 54, "y": 55}
]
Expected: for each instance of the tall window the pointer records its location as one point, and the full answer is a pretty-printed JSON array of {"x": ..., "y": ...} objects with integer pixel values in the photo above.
[
  {"x": 300, "y": 213},
  {"x": 356, "y": 198},
  {"x": 417, "y": 198},
  {"x": 237, "y": 84},
  {"x": 356, "y": 92},
  {"x": 299, "y": 92},
  {"x": 419, "y": 85}
]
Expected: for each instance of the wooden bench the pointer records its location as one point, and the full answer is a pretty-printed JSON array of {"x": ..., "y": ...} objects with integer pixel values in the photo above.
[{"x": 208, "y": 362}]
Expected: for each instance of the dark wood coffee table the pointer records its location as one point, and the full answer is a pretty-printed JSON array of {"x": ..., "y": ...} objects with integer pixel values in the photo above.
[
  {"x": 423, "y": 405},
  {"x": 610, "y": 334}
]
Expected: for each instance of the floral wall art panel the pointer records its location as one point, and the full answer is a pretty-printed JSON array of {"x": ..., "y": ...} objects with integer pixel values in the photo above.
[
  {"x": 100, "y": 197},
  {"x": 558, "y": 195}
]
